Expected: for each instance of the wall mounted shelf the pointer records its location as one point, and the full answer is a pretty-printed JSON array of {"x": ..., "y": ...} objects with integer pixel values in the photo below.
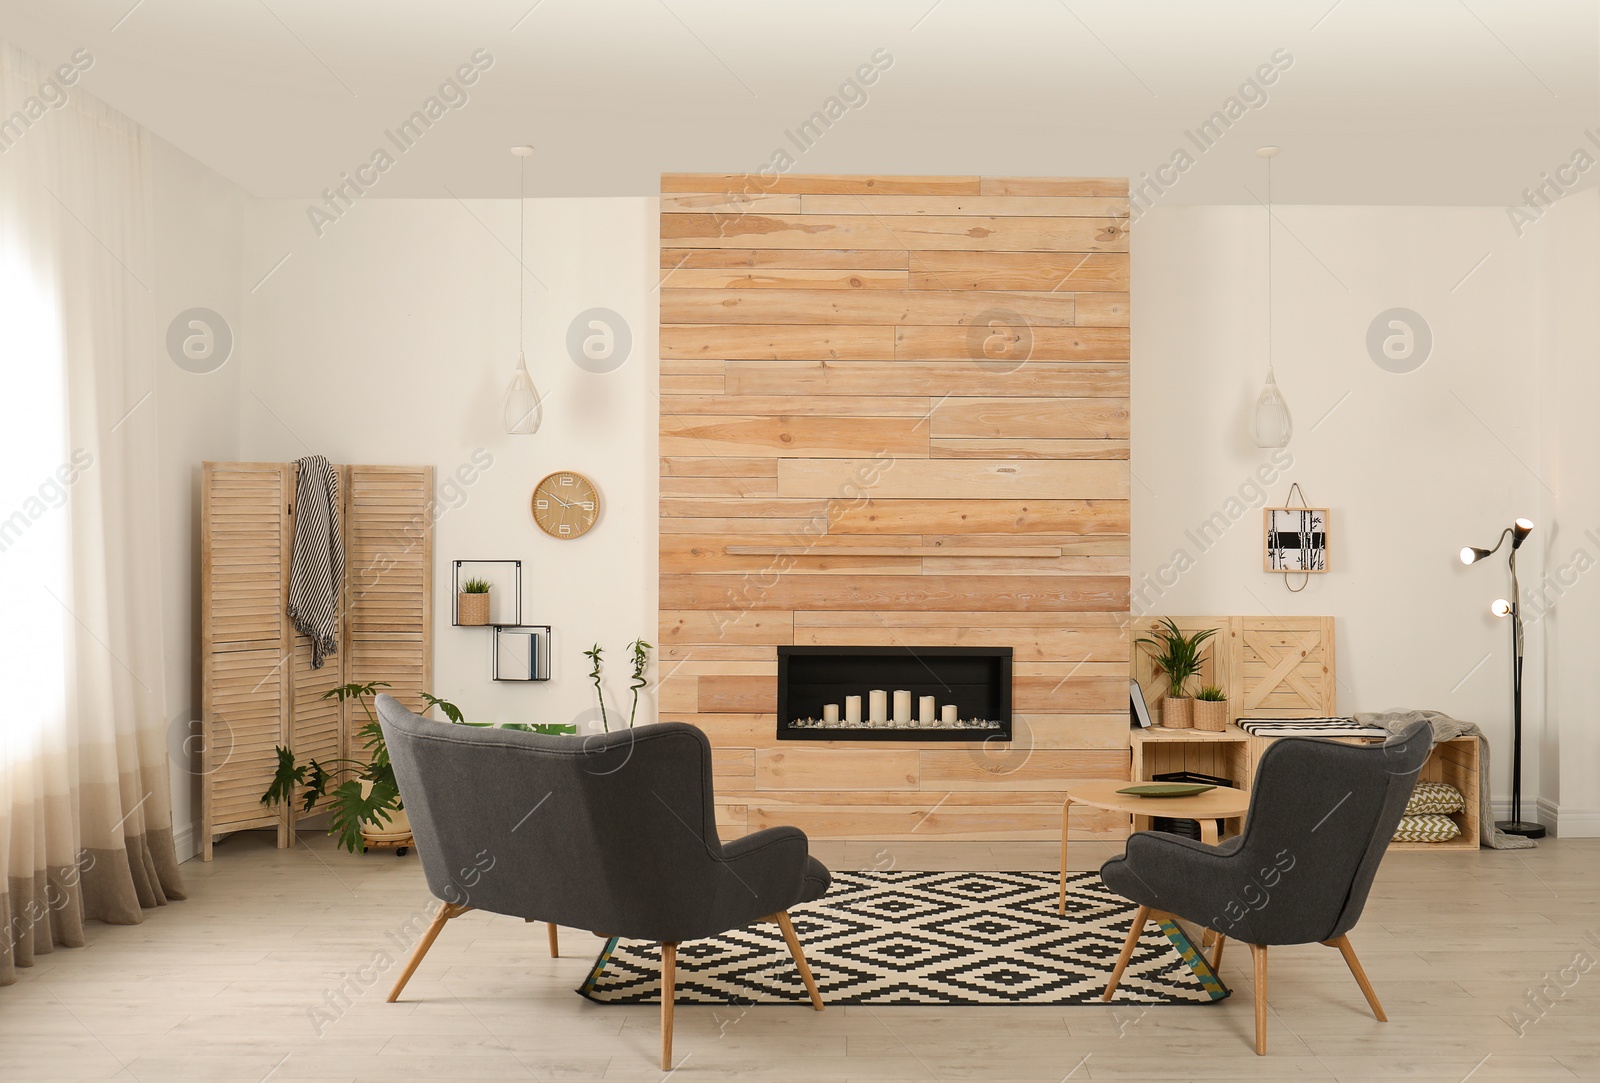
[
  {"x": 515, "y": 572},
  {"x": 518, "y": 652},
  {"x": 521, "y": 653}
]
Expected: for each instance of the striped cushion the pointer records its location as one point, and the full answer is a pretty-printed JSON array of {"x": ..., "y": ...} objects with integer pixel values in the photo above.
[
  {"x": 1429, "y": 827},
  {"x": 1435, "y": 797}
]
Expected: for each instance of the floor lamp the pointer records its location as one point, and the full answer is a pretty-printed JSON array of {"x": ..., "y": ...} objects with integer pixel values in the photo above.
[{"x": 1518, "y": 533}]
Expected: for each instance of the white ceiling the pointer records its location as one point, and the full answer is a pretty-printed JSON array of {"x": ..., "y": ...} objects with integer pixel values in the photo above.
[{"x": 1387, "y": 101}]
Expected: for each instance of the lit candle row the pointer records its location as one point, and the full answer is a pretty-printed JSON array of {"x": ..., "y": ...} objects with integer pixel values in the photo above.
[{"x": 877, "y": 709}]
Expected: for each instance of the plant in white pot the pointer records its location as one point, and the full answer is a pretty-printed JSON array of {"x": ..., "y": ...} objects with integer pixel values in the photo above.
[{"x": 1178, "y": 656}]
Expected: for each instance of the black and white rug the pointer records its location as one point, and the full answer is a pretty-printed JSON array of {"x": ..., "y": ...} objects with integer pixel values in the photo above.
[{"x": 927, "y": 938}]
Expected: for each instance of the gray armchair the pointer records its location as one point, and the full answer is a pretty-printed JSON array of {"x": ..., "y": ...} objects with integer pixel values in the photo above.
[
  {"x": 611, "y": 833},
  {"x": 1321, "y": 815}
]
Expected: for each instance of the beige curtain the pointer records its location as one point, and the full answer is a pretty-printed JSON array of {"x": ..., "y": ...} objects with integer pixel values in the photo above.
[{"x": 85, "y": 814}]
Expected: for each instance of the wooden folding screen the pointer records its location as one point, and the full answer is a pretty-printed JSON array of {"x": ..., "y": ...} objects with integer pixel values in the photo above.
[{"x": 258, "y": 688}]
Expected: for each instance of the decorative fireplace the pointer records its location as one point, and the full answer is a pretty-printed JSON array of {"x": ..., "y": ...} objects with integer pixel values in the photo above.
[{"x": 894, "y": 693}]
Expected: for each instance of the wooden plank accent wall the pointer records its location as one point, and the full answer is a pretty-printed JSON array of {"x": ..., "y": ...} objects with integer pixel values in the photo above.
[{"x": 894, "y": 410}]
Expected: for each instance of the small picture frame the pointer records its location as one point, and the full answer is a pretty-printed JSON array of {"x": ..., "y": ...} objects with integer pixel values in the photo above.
[{"x": 1297, "y": 540}]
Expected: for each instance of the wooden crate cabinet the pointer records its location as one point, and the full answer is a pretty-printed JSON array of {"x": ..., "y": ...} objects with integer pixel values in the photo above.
[{"x": 258, "y": 688}]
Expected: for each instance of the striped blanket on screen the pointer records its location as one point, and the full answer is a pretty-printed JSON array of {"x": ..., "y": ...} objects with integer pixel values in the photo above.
[
  {"x": 316, "y": 568},
  {"x": 1309, "y": 727}
]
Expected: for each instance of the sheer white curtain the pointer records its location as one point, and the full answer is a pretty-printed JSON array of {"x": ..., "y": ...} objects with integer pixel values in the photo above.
[{"x": 85, "y": 815}]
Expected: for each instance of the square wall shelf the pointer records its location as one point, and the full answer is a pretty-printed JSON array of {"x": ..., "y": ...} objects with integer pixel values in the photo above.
[{"x": 505, "y": 580}]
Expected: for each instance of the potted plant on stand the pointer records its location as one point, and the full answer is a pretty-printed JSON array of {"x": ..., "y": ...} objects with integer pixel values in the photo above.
[
  {"x": 1211, "y": 709},
  {"x": 472, "y": 604},
  {"x": 1178, "y": 656}
]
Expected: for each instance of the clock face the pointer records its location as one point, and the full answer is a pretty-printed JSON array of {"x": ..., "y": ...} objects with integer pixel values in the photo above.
[{"x": 565, "y": 505}]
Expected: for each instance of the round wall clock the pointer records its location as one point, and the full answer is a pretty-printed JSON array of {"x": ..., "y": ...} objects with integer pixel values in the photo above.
[{"x": 566, "y": 504}]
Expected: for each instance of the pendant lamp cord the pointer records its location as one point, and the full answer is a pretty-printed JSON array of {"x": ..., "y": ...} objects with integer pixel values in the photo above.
[
  {"x": 1270, "y": 373},
  {"x": 522, "y": 243}
]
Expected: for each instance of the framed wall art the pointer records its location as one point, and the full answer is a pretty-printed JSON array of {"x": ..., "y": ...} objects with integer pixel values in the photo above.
[{"x": 1297, "y": 540}]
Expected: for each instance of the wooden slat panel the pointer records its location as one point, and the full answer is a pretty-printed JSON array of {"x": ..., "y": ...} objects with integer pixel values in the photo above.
[
  {"x": 1038, "y": 769},
  {"x": 1071, "y": 272},
  {"x": 1021, "y": 517},
  {"x": 799, "y": 768},
  {"x": 1003, "y": 206},
  {"x": 737, "y": 694},
  {"x": 1067, "y": 187},
  {"x": 1046, "y": 344},
  {"x": 840, "y": 437},
  {"x": 977, "y": 479},
  {"x": 895, "y": 232},
  {"x": 869, "y": 307},
  {"x": 786, "y": 278},
  {"x": 932, "y": 378},
  {"x": 1014, "y": 418},
  {"x": 934, "y": 372},
  {"x": 791, "y": 405},
  {"x": 810, "y": 259},
  {"x": 790, "y": 592},
  {"x": 782, "y": 343},
  {"x": 820, "y": 184}
]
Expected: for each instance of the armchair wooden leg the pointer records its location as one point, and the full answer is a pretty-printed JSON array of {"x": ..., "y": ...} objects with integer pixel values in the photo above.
[
  {"x": 669, "y": 990},
  {"x": 446, "y": 912},
  {"x": 1128, "y": 945},
  {"x": 1259, "y": 953},
  {"x": 1349, "y": 953},
  {"x": 1216, "y": 956},
  {"x": 555, "y": 940},
  {"x": 793, "y": 941}
]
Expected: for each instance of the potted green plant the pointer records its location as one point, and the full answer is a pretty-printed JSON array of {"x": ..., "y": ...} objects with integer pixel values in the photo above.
[
  {"x": 1211, "y": 709},
  {"x": 1178, "y": 656},
  {"x": 472, "y": 604},
  {"x": 363, "y": 806}
]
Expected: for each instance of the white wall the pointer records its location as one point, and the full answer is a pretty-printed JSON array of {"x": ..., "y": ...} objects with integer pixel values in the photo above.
[
  {"x": 1569, "y": 328},
  {"x": 198, "y": 219},
  {"x": 391, "y": 339},
  {"x": 1413, "y": 465}
]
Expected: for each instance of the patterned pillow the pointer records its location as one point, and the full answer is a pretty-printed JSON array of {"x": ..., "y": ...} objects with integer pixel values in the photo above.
[
  {"x": 1435, "y": 797},
  {"x": 1429, "y": 827}
]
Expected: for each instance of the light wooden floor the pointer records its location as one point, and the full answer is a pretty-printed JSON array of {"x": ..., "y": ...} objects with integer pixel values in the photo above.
[{"x": 221, "y": 987}]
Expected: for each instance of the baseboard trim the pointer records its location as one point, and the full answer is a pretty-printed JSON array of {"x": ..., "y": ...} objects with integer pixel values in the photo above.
[
  {"x": 185, "y": 841},
  {"x": 1569, "y": 822}
]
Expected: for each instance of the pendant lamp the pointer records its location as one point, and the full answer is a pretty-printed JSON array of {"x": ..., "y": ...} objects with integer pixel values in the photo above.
[
  {"x": 522, "y": 408},
  {"x": 1271, "y": 426}
]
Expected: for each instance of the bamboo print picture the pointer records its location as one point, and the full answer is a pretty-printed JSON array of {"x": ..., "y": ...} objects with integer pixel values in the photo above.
[{"x": 1297, "y": 539}]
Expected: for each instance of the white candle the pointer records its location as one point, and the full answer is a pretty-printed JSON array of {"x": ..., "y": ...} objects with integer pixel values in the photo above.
[
  {"x": 852, "y": 709},
  {"x": 947, "y": 714},
  {"x": 830, "y": 712},
  {"x": 902, "y": 707},
  {"x": 925, "y": 710},
  {"x": 878, "y": 707}
]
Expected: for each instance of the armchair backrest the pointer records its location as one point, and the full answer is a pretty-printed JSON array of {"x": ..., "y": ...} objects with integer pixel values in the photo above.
[
  {"x": 1321, "y": 815},
  {"x": 613, "y": 833}
]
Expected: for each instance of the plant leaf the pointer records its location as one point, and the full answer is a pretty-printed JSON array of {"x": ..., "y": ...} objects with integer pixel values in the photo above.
[
  {"x": 284, "y": 779},
  {"x": 316, "y": 780},
  {"x": 349, "y": 810}
]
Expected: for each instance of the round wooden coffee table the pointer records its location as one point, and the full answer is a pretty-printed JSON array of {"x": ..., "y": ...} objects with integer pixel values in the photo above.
[{"x": 1207, "y": 808}]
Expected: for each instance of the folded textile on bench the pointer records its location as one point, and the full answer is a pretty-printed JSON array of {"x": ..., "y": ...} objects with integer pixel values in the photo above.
[{"x": 1309, "y": 727}]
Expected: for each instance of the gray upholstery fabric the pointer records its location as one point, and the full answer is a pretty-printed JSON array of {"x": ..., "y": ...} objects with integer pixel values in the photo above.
[
  {"x": 1321, "y": 814},
  {"x": 612, "y": 833}
]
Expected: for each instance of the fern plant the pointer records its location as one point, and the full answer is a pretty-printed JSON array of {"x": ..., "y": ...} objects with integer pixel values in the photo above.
[{"x": 1177, "y": 655}]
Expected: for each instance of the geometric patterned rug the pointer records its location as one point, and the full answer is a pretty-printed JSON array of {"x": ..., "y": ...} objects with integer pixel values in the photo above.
[{"x": 927, "y": 938}]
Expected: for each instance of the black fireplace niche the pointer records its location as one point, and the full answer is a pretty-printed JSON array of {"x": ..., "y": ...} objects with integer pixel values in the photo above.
[{"x": 976, "y": 680}]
